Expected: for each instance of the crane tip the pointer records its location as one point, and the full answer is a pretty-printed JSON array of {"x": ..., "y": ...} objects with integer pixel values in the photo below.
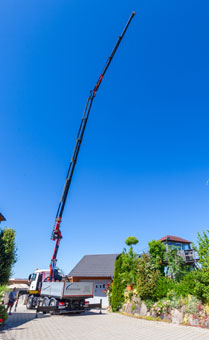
[{"x": 133, "y": 13}]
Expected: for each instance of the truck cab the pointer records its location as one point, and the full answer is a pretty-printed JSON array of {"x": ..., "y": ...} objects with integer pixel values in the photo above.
[{"x": 36, "y": 280}]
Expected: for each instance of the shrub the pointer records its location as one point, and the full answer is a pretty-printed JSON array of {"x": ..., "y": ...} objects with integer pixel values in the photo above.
[
  {"x": 149, "y": 303},
  {"x": 201, "y": 290},
  {"x": 118, "y": 287},
  {"x": 7, "y": 253},
  {"x": 157, "y": 254},
  {"x": 160, "y": 307},
  {"x": 129, "y": 262},
  {"x": 133, "y": 307},
  {"x": 131, "y": 240},
  {"x": 176, "y": 267},
  {"x": 191, "y": 304},
  {"x": 108, "y": 291},
  {"x": 3, "y": 289},
  {"x": 147, "y": 278},
  {"x": 203, "y": 249},
  {"x": 163, "y": 287},
  {"x": 176, "y": 302},
  {"x": 194, "y": 283},
  {"x": 128, "y": 296},
  {"x": 3, "y": 314}
]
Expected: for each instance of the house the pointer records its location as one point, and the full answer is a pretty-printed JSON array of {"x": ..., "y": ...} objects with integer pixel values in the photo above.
[
  {"x": 98, "y": 269},
  {"x": 2, "y": 218},
  {"x": 184, "y": 248}
]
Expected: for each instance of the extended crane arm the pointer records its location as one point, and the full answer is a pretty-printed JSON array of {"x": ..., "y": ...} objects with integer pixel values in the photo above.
[{"x": 56, "y": 234}]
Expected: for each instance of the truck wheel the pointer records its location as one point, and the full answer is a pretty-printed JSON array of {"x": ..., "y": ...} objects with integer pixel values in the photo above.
[
  {"x": 30, "y": 302},
  {"x": 53, "y": 302},
  {"x": 45, "y": 301}
]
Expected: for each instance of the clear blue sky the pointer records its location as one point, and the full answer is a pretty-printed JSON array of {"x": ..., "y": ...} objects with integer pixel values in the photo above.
[{"x": 144, "y": 163}]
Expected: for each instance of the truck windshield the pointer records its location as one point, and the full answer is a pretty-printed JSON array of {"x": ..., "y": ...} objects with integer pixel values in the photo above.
[{"x": 33, "y": 277}]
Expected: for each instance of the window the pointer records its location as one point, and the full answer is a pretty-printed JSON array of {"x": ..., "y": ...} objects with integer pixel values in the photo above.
[{"x": 33, "y": 277}]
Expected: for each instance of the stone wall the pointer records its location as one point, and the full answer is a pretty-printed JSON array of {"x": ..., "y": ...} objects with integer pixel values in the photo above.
[{"x": 176, "y": 316}]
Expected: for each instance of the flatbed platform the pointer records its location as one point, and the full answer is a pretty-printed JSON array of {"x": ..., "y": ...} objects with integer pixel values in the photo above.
[{"x": 56, "y": 310}]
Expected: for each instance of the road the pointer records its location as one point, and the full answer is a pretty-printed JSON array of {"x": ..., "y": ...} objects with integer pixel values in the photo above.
[{"x": 93, "y": 326}]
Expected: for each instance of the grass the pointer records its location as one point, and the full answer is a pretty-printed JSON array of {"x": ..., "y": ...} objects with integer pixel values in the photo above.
[{"x": 149, "y": 318}]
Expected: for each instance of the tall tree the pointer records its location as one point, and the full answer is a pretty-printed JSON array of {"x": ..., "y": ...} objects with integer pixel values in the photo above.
[
  {"x": 157, "y": 254},
  {"x": 7, "y": 253},
  {"x": 118, "y": 287},
  {"x": 176, "y": 267},
  {"x": 203, "y": 249}
]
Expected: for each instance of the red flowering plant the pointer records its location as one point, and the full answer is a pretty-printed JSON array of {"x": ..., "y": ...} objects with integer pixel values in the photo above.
[
  {"x": 3, "y": 312},
  {"x": 108, "y": 291}
]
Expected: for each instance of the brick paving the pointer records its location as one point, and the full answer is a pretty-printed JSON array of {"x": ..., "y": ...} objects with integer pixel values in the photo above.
[{"x": 93, "y": 326}]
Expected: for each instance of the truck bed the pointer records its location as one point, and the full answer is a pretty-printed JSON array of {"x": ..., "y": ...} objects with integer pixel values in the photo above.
[{"x": 67, "y": 290}]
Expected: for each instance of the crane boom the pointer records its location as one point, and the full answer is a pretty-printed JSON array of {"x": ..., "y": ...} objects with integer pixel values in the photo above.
[{"x": 56, "y": 234}]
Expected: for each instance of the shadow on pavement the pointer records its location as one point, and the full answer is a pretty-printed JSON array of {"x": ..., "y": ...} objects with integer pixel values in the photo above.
[
  {"x": 86, "y": 313},
  {"x": 18, "y": 319}
]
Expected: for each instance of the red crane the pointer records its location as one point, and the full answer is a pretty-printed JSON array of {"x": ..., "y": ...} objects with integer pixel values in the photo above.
[{"x": 56, "y": 234}]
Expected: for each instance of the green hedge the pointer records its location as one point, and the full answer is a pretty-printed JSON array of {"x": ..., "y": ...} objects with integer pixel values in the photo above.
[{"x": 118, "y": 287}]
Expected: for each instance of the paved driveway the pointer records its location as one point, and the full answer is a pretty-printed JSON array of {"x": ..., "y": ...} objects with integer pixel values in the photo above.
[{"x": 93, "y": 326}]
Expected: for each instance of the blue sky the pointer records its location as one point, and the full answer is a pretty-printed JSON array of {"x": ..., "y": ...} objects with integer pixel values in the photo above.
[{"x": 144, "y": 163}]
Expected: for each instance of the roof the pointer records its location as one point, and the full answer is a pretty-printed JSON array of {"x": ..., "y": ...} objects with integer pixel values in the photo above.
[
  {"x": 2, "y": 218},
  {"x": 18, "y": 286},
  {"x": 95, "y": 266},
  {"x": 174, "y": 239}
]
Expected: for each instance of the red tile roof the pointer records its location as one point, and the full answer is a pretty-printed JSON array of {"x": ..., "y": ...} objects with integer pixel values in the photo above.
[
  {"x": 2, "y": 218},
  {"x": 174, "y": 239}
]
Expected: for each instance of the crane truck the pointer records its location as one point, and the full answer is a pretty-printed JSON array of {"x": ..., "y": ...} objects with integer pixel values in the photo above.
[{"x": 47, "y": 287}]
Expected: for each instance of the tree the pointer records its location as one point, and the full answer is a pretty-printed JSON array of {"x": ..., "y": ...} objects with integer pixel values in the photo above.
[
  {"x": 147, "y": 278},
  {"x": 7, "y": 253},
  {"x": 118, "y": 287},
  {"x": 157, "y": 254},
  {"x": 129, "y": 260},
  {"x": 176, "y": 268},
  {"x": 203, "y": 249},
  {"x": 131, "y": 240}
]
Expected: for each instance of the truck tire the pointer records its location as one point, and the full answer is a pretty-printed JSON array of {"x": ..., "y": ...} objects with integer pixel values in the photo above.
[
  {"x": 45, "y": 301},
  {"x": 29, "y": 304},
  {"x": 53, "y": 302}
]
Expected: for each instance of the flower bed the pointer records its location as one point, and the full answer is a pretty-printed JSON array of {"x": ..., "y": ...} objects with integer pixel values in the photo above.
[{"x": 188, "y": 311}]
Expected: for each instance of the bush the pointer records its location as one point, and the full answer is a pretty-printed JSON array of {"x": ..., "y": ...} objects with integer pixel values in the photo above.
[
  {"x": 161, "y": 307},
  {"x": 163, "y": 287},
  {"x": 128, "y": 262},
  {"x": 149, "y": 304},
  {"x": 147, "y": 278},
  {"x": 194, "y": 283},
  {"x": 108, "y": 291},
  {"x": 7, "y": 253},
  {"x": 176, "y": 267},
  {"x": 118, "y": 287},
  {"x": 201, "y": 290},
  {"x": 3, "y": 314},
  {"x": 157, "y": 253},
  {"x": 191, "y": 304},
  {"x": 203, "y": 249},
  {"x": 3, "y": 289},
  {"x": 131, "y": 240}
]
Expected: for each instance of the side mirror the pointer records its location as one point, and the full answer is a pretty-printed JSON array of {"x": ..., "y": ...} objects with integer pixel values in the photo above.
[{"x": 29, "y": 277}]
